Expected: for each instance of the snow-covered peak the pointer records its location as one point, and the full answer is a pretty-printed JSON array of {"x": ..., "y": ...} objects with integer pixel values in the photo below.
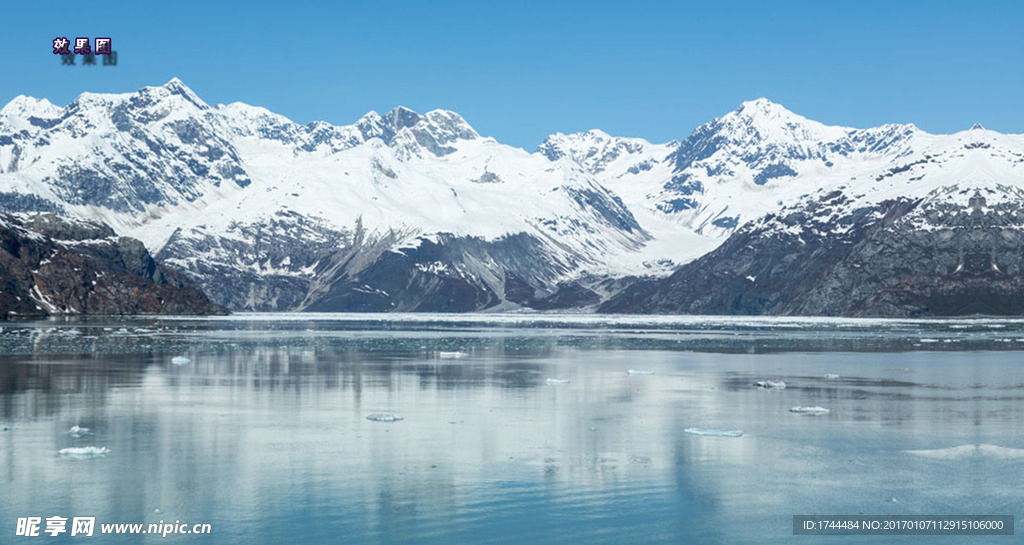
[
  {"x": 761, "y": 134},
  {"x": 452, "y": 122},
  {"x": 25, "y": 107},
  {"x": 246, "y": 120},
  {"x": 175, "y": 87},
  {"x": 401, "y": 117},
  {"x": 763, "y": 122},
  {"x": 762, "y": 107},
  {"x": 596, "y": 150},
  {"x": 409, "y": 131},
  {"x": 149, "y": 106},
  {"x": 246, "y": 112}
]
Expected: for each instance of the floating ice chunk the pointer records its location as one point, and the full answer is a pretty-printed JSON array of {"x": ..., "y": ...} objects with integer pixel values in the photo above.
[
  {"x": 180, "y": 360},
  {"x": 77, "y": 431},
  {"x": 969, "y": 450},
  {"x": 451, "y": 355},
  {"x": 771, "y": 384},
  {"x": 831, "y": 376},
  {"x": 384, "y": 417},
  {"x": 809, "y": 410},
  {"x": 635, "y": 372},
  {"x": 713, "y": 432},
  {"x": 557, "y": 381},
  {"x": 83, "y": 452}
]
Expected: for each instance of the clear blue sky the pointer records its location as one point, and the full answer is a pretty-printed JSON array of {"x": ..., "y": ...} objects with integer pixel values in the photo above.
[{"x": 518, "y": 71}]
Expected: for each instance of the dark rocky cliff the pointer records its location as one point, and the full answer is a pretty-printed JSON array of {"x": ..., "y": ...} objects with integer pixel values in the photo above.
[
  {"x": 55, "y": 266},
  {"x": 956, "y": 252}
]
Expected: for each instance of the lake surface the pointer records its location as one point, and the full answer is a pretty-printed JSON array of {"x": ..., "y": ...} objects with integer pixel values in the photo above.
[{"x": 263, "y": 432}]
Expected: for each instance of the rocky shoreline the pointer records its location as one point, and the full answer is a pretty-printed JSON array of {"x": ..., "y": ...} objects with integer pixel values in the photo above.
[{"x": 51, "y": 266}]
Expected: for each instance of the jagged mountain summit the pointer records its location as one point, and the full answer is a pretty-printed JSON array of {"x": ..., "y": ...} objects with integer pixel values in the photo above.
[{"x": 419, "y": 212}]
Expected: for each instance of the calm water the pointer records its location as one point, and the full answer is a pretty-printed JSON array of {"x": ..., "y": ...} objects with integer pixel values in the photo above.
[{"x": 263, "y": 434}]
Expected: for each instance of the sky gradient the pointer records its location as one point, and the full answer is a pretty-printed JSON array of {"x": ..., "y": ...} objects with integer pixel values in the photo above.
[{"x": 519, "y": 71}]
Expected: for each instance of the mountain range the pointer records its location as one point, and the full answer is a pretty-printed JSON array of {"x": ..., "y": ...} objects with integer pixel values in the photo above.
[{"x": 760, "y": 211}]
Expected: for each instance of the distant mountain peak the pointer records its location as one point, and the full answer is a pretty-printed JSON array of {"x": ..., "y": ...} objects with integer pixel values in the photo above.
[
  {"x": 175, "y": 83},
  {"x": 762, "y": 105},
  {"x": 401, "y": 117},
  {"x": 763, "y": 112},
  {"x": 977, "y": 127},
  {"x": 177, "y": 87},
  {"x": 25, "y": 106}
]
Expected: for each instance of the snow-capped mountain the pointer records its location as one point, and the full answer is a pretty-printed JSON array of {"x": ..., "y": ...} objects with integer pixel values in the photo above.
[
  {"x": 735, "y": 168},
  {"x": 409, "y": 211},
  {"x": 936, "y": 232},
  {"x": 266, "y": 213}
]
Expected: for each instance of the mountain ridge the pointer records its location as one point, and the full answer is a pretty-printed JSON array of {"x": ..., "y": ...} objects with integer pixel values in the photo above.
[{"x": 269, "y": 214}]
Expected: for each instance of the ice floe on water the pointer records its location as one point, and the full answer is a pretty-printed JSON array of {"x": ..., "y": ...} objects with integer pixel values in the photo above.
[
  {"x": 451, "y": 355},
  {"x": 636, "y": 372},
  {"x": 713, "y": 432},
  {"x": 961, "y": 451},
  {"x": 83, "y": 452},
  {"x": 384, "y": 417},
  {"x": 180, "y": 360},
  {"x": 809, "y": 410},
  {"x": 831, "y": 376},
  {"x": 771, "y": 384},
  {"x": 557, "y": 381},
  {"x": 78, "y": 431}
]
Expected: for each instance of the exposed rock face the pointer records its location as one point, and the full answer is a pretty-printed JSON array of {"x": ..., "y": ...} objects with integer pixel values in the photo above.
[
  {"x": 54, "y": 266},
  {"x": 443, "y": 274},
  {"x": 955, "y": 252}
]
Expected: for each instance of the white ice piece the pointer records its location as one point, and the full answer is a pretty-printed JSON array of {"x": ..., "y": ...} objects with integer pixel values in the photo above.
[
  {"x": 639, "y": 373},
  {"x": 180, "y": 360},
  {"x": 771, "y": 384},
  {"x": 809, "y": 410},
  {"x": 77, "y": 431},
  {"x": 451, "y": 355},
  {"x": 713, "y": 432},
  {"x": 384, "y": 417},
  {"x": 83, "y": 452},
  {"x": 557, "y": 381}
]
